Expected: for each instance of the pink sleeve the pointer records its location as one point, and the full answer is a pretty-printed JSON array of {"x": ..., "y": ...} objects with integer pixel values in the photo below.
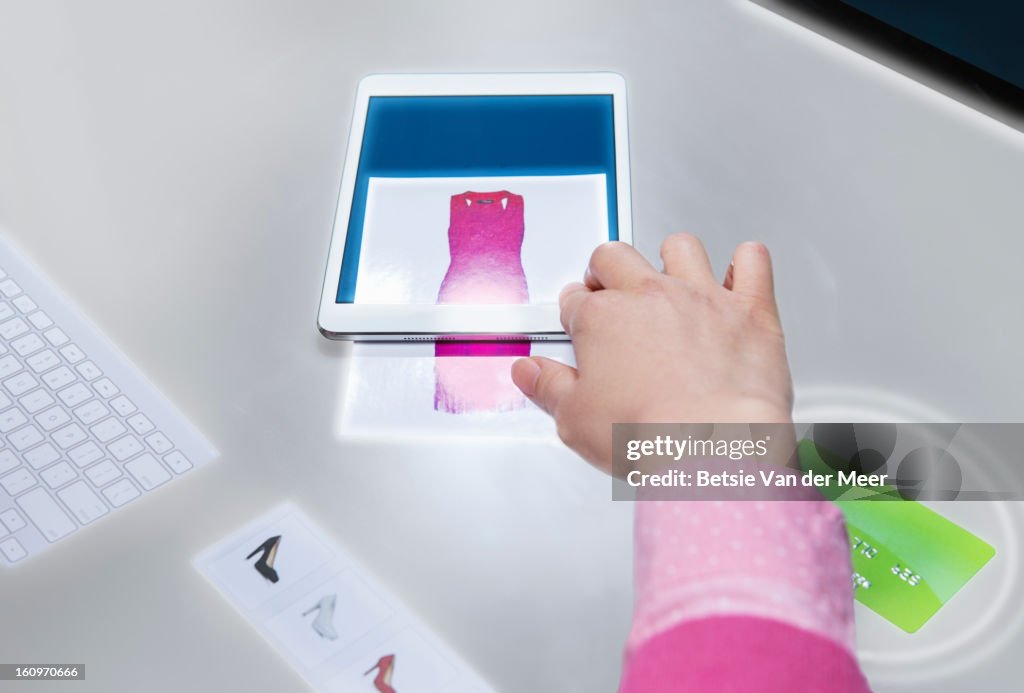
[{"x": 741, "y": 595}]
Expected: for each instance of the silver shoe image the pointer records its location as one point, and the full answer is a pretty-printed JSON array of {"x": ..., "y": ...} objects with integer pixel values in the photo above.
[{"x": 323, "y": 624}]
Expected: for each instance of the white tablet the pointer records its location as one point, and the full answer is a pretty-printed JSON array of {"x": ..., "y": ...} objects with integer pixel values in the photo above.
[{"x": 468, "y": 201}]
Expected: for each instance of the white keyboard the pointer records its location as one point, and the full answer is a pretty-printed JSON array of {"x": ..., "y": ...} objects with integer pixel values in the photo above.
[{"x": 82, "y": 432}]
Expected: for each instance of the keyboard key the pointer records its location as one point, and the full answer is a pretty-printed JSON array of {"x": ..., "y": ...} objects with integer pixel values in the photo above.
[
  {"x": 91, "y": 412},
  {"x": 12, "y": 550},
  {"x": 24, "y": 303},
  {"x": 72, "y": 353},
  {"x": 59, "y": 377},
  {"x": 12, "y": 520},
  {"x": 24, "y": 438},
  {"x": 40, "y": 320},
  {"x": 72, "y": 434},
  {"x": 36, "y": 401},
  {"x": 103, "y": 473},
  {"x": 108, "y": 429},
  {"x": 15, "y": 327},
  {"x": 56, "y": 337},
  {"x": 85, "y": 505},
  {"x": 105, "y": 387},
  {"x": 45, "y": 514},
  {"x": 11, "y": 419},
  {"x": 5, "y": 401},
  {"x": 85, "y": 454},
  {"x": 5, "y": 311},
  {"x": 9, "y": 288},
  {"x": 29, "y": 344},
  {"x": 8, "y": 461},
  {"x": 41, "y": 455},
  {"x": 9, "y": 365},
  {"x": 21, "y": 383},
  {"x": 73, "y": 395},
  {"x": 178, "y": 463},
  {"x": 89, "y": 370},
  {"x": 58, "y": 475},
  {"x": 122, "y": 405},
  {"x": 125, "y": 447},
  {"x": 18, "y": 481},
  {"x": 121, "y": 492},
  {"x": 52, "y": 418},
  {"x": 147, "y": 471},
  {"x": 159, "y": 442},
  {"x": 140, "y": 424},
  {"x": 43, "y": 361}
]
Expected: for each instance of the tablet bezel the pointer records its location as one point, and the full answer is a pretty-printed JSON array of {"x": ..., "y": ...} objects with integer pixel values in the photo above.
[{"x": 429, "y": 322}]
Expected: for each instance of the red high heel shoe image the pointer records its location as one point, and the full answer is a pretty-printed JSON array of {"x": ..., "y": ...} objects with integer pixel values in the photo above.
[
  {"x": 265, "y": 564},
  {"x": 385, "y": 668}
]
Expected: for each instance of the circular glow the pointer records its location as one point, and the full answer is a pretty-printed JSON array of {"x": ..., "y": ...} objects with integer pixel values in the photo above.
[{"x": 902, "y": 658}]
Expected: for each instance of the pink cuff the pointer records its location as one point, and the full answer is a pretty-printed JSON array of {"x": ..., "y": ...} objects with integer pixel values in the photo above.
[{"x": 740, "y": 654}]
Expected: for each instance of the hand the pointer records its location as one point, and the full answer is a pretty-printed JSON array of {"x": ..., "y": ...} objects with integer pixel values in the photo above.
[{"x": 664, "y": 347}]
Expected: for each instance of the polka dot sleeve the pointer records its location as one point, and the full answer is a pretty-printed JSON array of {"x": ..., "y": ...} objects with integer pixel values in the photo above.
[{"x": 783, "y": 560}]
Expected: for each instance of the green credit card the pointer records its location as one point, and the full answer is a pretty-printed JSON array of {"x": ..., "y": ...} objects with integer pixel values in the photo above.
[{"x": 907, "y": 559}]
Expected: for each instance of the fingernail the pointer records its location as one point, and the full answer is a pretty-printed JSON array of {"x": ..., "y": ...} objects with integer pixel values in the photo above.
[{"x": 525, "y": 374}]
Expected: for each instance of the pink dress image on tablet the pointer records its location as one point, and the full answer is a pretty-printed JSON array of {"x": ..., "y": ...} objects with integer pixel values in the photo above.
[{"x": 485, "y": 241}]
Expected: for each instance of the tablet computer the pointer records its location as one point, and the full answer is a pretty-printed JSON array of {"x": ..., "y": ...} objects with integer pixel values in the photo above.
[{"x": 468, "y": 201}]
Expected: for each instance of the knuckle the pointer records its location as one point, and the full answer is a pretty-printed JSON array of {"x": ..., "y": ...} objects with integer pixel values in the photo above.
[
  {"x": 606, "y": 252},
  {"x": 742, "y": 314},
  {"x": 600, "y": 254},
  {"x": 762, "y": 314},
  {"x": 596, "y": 310},
  {"x": 566, "y": 431},
  {"x": 587, "y": 314},
  {"x": 549, "y": 380},
  {"x": 652, "y": 285}
]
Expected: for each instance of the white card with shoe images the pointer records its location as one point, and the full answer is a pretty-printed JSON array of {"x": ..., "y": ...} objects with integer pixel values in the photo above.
[{"x": 325, "y": 614}]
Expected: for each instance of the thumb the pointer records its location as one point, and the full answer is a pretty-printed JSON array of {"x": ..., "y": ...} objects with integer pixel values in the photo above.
[{"x": 544, "y": 381}]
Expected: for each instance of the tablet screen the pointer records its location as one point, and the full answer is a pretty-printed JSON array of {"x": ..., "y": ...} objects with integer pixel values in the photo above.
[{"x": 479, "y": 199}]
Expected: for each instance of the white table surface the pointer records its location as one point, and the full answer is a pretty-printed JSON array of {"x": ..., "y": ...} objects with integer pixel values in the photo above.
[{"x": 175, "y": 166}]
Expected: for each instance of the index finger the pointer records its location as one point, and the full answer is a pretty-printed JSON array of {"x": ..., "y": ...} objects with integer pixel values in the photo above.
[
  {"x": 569, "y": 302},
  {"x": 617, "y": 265}
]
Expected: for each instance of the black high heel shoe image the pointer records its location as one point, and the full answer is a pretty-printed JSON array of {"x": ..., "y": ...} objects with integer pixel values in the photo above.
[{"x": 265, "y": 564}]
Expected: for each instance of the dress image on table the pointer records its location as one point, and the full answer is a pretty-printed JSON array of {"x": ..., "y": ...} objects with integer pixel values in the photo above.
[{"x": 485, "y": 241}]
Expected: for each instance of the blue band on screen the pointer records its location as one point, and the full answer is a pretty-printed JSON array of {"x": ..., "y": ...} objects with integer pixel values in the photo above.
[{"x": 437, "y": 136}]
